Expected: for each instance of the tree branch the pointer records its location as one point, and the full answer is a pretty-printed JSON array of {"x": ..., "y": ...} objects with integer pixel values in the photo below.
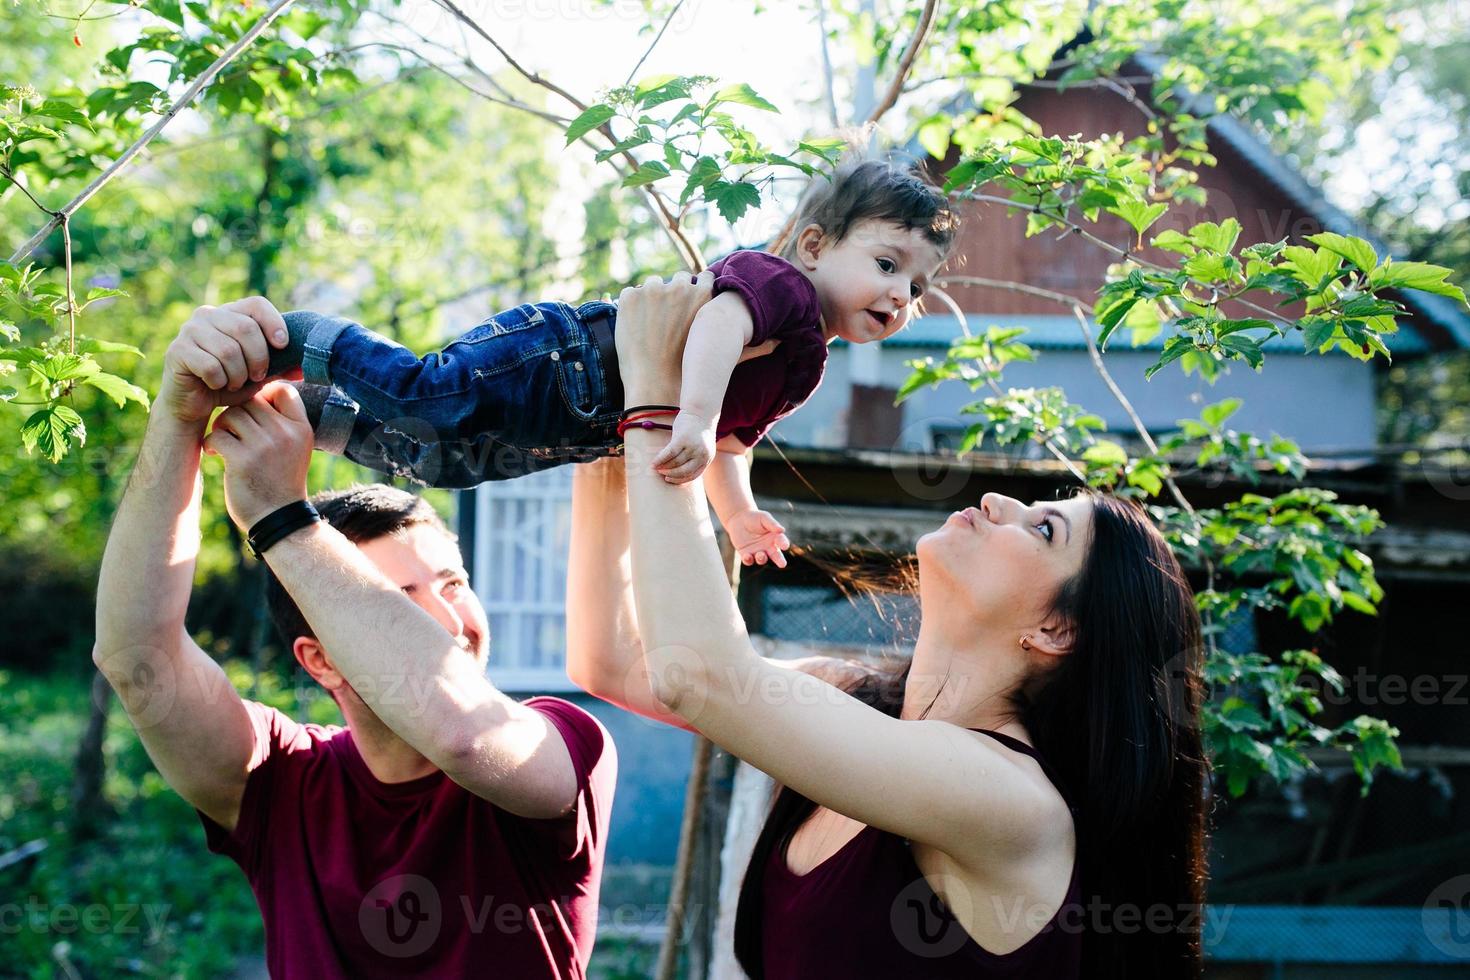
[
  {"x": 190, "y": 94},
  {"x": 1079, "y": 309},
  {"x": 8, "y": 175},
  {"x": 656, "y": 38},
  {"x": 828, "y": 90},
  {"x": 1122, "y": 399},
  {"x": 1015, "y": 287},
  {"x": 1122, "y": 253},
  {"x": 690, "y": 255},
  {"x": 906, "y": 62},
  {"x": 954, "y": 308}
]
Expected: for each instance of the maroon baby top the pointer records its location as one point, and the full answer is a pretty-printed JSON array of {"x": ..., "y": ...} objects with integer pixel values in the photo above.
[
  {"x": 783, "y": 306},
  {"x": 867, "y": 911},
  {"x": 358, "y": 878}
]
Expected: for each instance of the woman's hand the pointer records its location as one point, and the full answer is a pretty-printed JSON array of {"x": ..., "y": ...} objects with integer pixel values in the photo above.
[{"x": 653, "y": 323}]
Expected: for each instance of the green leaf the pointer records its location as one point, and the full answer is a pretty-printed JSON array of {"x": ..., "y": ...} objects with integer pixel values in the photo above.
[
  {"x": 1207, "y": 267},
  {"x": 733, "y": 198},
  {"x": 1225, "y": 328},
  {"x": 742, "y": 94},
  {"x": 92, "y": 345},
  {"x": 1215, "y": 415},
  {"x": 1317, "y": 333},
  {"x": 652, "y": 84},
  {"x": 66, "y": 113},
  {"x": 1213, "y": 237},
  {"x": 648, "y": 171},
  {"x": 670, "y": 88},
  {"x": 1138, "y": 214},
  {"x": 1311, "y": 267},
  {"x": 594, "y": 117},
  {"x": 1355, "y": 250},
  {"x": 1176, "y": 347},
  {"x": 934, "y": 136},
  {"x": 1354, "y": 601},
  {"x": 829, "y": 148},
  {"x": 169, "y": 10},
  {"x": 1247, "y": 347},
  {"x": 120, "y": 390},
  {"x": 1104, "y": 454},
  {"x": 1173, "y": 241},
  {"x": 1415, "y": 275},
  {"x": 1049, "y": 149},
  {"x": 52, "y": 430},
  {"x": 702, "y": 173}
]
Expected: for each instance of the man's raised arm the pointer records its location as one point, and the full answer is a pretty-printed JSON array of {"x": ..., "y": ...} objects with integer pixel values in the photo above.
[{"x": 190, "y": 719}]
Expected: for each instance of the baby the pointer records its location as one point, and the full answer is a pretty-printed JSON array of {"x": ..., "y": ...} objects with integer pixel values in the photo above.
[{"x": 538, "y": 385}]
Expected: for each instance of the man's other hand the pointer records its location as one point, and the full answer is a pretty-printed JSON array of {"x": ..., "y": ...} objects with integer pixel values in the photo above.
[{"x": 266, "y": 445}]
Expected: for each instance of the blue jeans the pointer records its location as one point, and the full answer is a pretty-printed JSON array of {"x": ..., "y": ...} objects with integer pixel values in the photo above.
[{"x": 523, "y": 391}]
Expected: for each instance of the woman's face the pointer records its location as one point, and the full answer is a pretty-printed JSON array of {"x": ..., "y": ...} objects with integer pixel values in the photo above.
[{"x": 1004, "y": 561}]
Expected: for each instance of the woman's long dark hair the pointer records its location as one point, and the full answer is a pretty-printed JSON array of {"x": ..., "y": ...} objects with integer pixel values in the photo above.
[{"x": 1118, "y": 722}]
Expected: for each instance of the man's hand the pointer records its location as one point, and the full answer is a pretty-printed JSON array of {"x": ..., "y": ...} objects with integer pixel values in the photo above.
[
  {"x": 758, "y": 537},
  {"x": 266, "y": 445},
  {"x": 690, "y": 449},
  {"x": 219, "y": 357}
]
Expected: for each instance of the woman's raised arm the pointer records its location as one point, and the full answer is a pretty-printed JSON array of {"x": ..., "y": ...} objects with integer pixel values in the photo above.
[
  {"x": 929, "y": 781},
  {"x": 604, "y": 652}
]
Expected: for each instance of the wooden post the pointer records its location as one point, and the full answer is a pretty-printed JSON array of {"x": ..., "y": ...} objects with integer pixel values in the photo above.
[{"x": 668, "y": 953}]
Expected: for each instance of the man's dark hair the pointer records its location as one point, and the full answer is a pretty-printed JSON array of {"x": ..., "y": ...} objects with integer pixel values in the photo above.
[
  {"x": 361, "y": 513},
  {"x": 874, "y": 190}
]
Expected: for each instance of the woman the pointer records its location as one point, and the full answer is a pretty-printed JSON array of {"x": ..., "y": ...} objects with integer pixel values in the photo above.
[{"x": 1026, "y": 801}]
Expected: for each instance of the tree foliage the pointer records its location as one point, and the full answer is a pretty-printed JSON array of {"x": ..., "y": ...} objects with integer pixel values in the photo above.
[{"x": 277, "y": 165}]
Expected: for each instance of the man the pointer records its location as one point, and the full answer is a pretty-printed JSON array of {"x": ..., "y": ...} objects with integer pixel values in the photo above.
[{"x": 447, "y": 830}]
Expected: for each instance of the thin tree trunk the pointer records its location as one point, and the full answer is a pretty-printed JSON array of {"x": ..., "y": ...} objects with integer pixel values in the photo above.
[{"x": 90, "y": 811}]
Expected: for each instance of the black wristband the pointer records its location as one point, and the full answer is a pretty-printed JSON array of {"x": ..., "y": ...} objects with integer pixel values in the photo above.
[
  {"x": 646, "y": 408},
  {"x": 278, "y": 523}
]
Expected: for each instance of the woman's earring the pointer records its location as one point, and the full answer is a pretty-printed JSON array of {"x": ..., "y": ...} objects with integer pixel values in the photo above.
[{"x": 1026, "y": 642}]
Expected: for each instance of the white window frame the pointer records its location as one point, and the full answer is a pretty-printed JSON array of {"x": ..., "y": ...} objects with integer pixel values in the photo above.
[{"x": 546, "y": 492}]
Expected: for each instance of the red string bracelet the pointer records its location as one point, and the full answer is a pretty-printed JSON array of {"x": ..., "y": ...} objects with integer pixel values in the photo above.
[{"x": 644, "y": 420}]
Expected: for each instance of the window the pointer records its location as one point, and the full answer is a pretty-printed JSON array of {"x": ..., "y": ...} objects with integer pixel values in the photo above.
[{"x": 522, "y": 532}]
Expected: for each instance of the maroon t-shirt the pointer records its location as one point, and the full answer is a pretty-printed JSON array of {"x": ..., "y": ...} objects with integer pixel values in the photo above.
[
  {"x": 783, "y": 306},
  {"x": 867, "y": 911},
  {"x": 357, "y": 878}
]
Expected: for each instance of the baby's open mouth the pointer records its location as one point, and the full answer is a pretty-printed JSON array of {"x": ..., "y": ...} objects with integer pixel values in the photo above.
[{"x": 882, "y": 319}]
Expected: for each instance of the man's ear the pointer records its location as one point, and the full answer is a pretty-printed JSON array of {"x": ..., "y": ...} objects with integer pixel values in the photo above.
[
  {"x": 313, "y": 660},
  {"x": 810, "y": 242}
]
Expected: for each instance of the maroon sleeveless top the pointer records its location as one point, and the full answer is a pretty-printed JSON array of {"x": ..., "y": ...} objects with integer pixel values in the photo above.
[{"x": 866, "y": 911}]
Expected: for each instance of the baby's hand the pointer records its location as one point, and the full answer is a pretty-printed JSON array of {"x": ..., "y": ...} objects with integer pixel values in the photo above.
[
  {"x": 758, "y": 537},
  {"x": 689, "y": 450}
]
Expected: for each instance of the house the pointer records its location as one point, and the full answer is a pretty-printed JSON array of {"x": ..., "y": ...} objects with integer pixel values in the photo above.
[{"x": 1314, "y": 876}]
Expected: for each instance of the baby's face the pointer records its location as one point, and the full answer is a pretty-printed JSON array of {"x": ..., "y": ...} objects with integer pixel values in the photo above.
[{"x": 869, "y": 281}]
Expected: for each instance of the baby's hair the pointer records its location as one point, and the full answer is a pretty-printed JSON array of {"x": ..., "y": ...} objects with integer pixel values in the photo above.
[{"x": 874, "y": 190}]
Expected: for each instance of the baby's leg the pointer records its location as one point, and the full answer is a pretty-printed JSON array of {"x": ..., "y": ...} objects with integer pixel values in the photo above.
[
  {"x": 384, "y": 377},
  {"x": 403, "y": 448}
]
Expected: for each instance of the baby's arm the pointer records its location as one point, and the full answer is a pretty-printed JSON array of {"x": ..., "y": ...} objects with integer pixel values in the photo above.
[
  {"x": 720, "y": 331},
  {"x": 757, "y": 536}
]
